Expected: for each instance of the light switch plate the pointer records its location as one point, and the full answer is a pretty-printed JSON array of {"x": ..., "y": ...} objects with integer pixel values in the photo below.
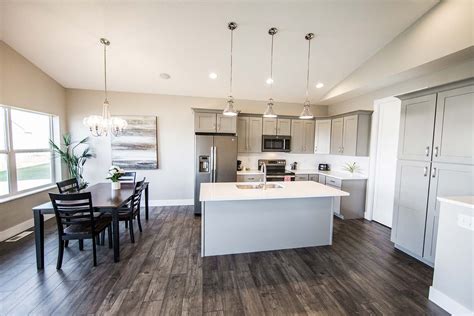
[{"x": 466, "y": 221}]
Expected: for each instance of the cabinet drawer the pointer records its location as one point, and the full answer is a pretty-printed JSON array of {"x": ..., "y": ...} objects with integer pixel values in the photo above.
[
  {"x": 333, "y": 182},
  {"x": 313, "y": 177},
  {"x": 301, "y": 177},
  {"x": 250, "y": 178}
]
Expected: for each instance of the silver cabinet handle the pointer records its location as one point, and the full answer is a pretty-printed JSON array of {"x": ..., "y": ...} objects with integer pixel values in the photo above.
[
  {"x": 436, "y": 151},
  {"x": 425, "y": 171},
  {"x": 427, "y": 151},
  {"x": 433, "y": 173}
]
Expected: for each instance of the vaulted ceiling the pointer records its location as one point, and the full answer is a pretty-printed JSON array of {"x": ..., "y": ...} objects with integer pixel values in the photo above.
[{"x": 189, "y": 40}]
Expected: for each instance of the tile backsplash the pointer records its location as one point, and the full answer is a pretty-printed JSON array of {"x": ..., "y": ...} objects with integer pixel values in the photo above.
[{"x": 307, "y": 161}]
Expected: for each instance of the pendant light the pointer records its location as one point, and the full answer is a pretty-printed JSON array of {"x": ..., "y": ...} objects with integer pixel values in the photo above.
[
  {"x": 105, "y": 124},
  {"x": 269, "y": 111},
  {"x": 306, "y": 114},
  {"x": 230, "y": 110}
]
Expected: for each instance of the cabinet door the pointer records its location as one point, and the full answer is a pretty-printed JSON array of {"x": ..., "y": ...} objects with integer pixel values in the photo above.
[
  {"x": 411, "y": 195},
  {"x": 284, "y": 127},
  {"x": 301, "y": 177},
  {"x": 313, "y": 177},
  {"x": 446, "y": 180},
  {"x": 322, "y": 179},
  {"x": 297, "y": 136},
  {"x": 255, "y": 135},
  {"x": 308, "y": 137},
  {"x": 454, "y": 141},
  {"x": 322, "y": 137},
  {"x": 243, "y": 134},
  {"x": 416, "y": 128},
  {"x": 250, "y": 178},
  {"x": 337, "y": 126},
  {"x": 269, "y": 126},
  {"x": 205, "y": 122},
  {"x": 349, "y": 138},
  {"x": 226, "y": 124}
]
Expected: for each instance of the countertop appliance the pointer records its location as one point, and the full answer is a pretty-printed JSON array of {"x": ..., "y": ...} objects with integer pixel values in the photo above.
[
  {"x": 323, "y": 167},
  {"x": 239, "y": 165},
  {"x": 276, "y": 169},
  {"x": 275, "y": 143},
  {"x": 215, "y": 157}
]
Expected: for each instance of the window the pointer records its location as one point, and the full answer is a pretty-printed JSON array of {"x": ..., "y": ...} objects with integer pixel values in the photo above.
[{"x": 26, "y": 158}]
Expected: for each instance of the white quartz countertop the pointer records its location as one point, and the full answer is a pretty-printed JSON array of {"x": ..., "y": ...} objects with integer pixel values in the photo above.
[
  {"x": 228, "y": 191},
  {"x": 465, "y": 201},
  {"x": 342, "y": 175},
  {"x": 249, "y": 172}
]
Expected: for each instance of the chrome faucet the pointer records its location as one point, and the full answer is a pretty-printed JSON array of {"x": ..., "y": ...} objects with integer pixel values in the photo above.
[{"x": 264, "y": 170}]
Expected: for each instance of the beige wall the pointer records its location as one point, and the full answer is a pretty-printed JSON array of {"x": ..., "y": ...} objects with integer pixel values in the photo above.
[
  {"x": 174, "y": 178},
  {"x": 24, "y": 85},
  {"x": 455, "y": 72}
]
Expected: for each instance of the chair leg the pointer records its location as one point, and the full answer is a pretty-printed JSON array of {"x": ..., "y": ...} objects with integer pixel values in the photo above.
[
  {"x": 97, "y": 239},
  {"x": 132, "y": 235},
  {"x": 94, "y": 253},
  {"x": 126, "y": 224},
  {"x": 139, "y": 222},
  {"x": 102, "y": 238},
  {"x": 60, "y": 254},
  {"x": 81, "y": 244},
  {"x": 66, "y": 243},
  {"x": 109, "y": 229}
]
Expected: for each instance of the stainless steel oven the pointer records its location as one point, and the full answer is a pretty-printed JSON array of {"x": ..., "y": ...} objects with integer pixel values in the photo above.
[
  {"x": 276, "y": 170},
  {"x": 276, "y": 143},
  {"x": 274, "y": 178}
]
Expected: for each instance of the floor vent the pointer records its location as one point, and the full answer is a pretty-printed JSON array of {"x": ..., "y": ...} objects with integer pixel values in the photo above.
[{"x": 19, "y": 236}]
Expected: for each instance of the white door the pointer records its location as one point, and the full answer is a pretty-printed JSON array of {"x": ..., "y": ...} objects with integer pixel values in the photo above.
[{"x": 386, "y": 160}]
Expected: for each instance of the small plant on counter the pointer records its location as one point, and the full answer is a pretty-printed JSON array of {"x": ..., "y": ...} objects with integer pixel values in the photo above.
[{"x": 351, "y": 167}]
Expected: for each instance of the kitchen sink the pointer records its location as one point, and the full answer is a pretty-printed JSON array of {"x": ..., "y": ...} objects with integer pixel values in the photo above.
[{"x": 258, "y": 186}]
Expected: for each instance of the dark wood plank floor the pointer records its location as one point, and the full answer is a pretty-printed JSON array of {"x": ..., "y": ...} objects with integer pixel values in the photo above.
[{"x": 163, "y": 273}]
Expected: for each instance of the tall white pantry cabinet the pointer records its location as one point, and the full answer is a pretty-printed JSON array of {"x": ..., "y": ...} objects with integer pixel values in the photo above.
[{"x": 435, "y": 159}]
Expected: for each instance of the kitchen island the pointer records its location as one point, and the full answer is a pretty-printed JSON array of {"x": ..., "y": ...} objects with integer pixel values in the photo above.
[{"x": 244, "y": 217}]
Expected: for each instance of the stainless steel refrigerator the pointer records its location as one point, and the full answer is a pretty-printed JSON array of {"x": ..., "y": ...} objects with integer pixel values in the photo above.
[{"x": 215, "y": 161}]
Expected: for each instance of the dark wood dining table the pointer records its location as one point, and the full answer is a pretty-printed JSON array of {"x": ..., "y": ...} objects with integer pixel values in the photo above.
[{"x": 104, "y": 199}]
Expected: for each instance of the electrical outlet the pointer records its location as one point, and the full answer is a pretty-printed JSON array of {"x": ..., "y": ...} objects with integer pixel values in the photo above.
[{"x": 466, "y": 221}]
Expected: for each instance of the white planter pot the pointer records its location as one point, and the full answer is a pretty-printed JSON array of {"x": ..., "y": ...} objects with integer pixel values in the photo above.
[{"x": 115, "y": 185}]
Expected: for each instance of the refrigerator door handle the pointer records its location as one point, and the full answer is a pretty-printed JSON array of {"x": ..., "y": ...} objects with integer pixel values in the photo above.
[
  {"x": 211, "y": 164},
  {"x": 214, "y": 162}
]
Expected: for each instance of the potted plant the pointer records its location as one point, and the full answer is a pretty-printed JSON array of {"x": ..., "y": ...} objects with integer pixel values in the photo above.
[
  {"x": 74, "y": 162},
  {"x": 114, "y": 175}
]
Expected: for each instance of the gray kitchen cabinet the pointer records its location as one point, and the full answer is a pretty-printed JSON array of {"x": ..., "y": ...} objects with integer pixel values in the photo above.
[
  {"x": 284, "y": 127},
  {"x": 453, "y": 137},
  {"x": 352, "y": 206},
  {"x": 416, "y": 128},
  {"x": 337, "y": 127},
  {"x": 249, "y": 132},
  {"x": 322, "y": 179},
  {"x": 301, "y": 177},
  {"x": 302, "y": 136},
  {"x": 411, "y": 194},
  {"x": 308, "y": 139},
  {"x": 322, "y": 137},
  {"x": 274, "y": 126},
  {"x": 205, "y": 122},
  {"x": 226, "y": 124},
  {"x": 250, "y": 178},
  {"x": 446, "y": 180},
  {"x": 313, "y": 177},
  {"x": 349, "y": 138}
]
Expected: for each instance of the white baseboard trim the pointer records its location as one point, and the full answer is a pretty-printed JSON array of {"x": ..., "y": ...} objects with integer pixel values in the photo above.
[
  {"x": 447, "y": 303},
  {"x": 12, "y": 231},
  {"x": 171, "y": 202}
]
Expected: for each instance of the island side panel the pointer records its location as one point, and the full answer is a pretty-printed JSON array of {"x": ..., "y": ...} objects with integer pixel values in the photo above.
[{"x": 231, "y": 227}]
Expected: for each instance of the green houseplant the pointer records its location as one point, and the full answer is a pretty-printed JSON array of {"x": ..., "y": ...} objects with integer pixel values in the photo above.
[{"x": 74, "y": 162}]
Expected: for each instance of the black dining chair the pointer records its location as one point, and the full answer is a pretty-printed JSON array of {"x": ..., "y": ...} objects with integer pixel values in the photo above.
[
  {"x": 76, "y": 221},
  {"x": 132, "y": 210},
  {"x": 68, "y": 186},
  {"x": 128, "y": 177}
]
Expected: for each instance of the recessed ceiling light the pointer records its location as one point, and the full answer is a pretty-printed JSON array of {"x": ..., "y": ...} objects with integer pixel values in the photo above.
[
  {"x": 165, "y": 76},
  {"x": 269, "y": 81},
  {"x": 213, "y": 75},
  {"x": 319, "y": 85}
]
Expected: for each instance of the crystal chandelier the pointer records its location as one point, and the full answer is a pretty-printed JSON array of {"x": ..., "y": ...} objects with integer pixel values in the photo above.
[
  {"x": 105, "y": 124},
  {"x": 269, "y": 111},
  {"x": 230, "y": 110},
  {"x": 306, "y": 114}
]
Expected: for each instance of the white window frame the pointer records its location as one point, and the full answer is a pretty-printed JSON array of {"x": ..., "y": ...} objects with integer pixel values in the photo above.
[{"x": 10, "y": 152}]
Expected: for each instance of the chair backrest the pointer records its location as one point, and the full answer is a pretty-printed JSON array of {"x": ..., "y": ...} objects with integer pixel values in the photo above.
[
  {"x": 128, "y": 177},
  {"x": 73, "y": 209},
  {"x": 137, "y": 195},
  {"x": 68, "y": 186}
]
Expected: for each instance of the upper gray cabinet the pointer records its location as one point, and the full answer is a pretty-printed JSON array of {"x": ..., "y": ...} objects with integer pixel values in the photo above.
[
  {"x": 416, "y": 128},
  {"x": 302, "y": 136},
  {"x": 249, "y": 132},
  {"x": 350, "y": 134},
  {"x": 322, "y": 137},
  {"x": 212, "y": 122},
  {"x": 453, "y": 138},
  {"x": 274, "y": 126}
]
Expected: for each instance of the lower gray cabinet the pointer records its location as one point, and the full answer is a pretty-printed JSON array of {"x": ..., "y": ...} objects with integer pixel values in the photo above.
[
  {"x": 301, "y": 177},
  {"x": 313, "y": 177},
  {"x": 249, "y": 177}
]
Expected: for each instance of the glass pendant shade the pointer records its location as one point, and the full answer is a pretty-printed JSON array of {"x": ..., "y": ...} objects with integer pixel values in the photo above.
[
  {"x": 269, "y": 111},
  {"x": 306, "y": 114},
  {"x": 229, "y": 109}
]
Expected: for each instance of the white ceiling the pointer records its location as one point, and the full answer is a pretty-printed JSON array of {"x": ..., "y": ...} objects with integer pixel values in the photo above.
[{"x": 190, "y": 39}]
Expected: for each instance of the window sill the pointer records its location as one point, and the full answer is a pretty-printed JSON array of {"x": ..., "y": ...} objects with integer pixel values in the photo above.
[{"x": 25, "y": 194}]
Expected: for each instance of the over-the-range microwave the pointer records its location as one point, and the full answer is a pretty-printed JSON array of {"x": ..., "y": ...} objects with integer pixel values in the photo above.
[{"x": 276, "y": 143}]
